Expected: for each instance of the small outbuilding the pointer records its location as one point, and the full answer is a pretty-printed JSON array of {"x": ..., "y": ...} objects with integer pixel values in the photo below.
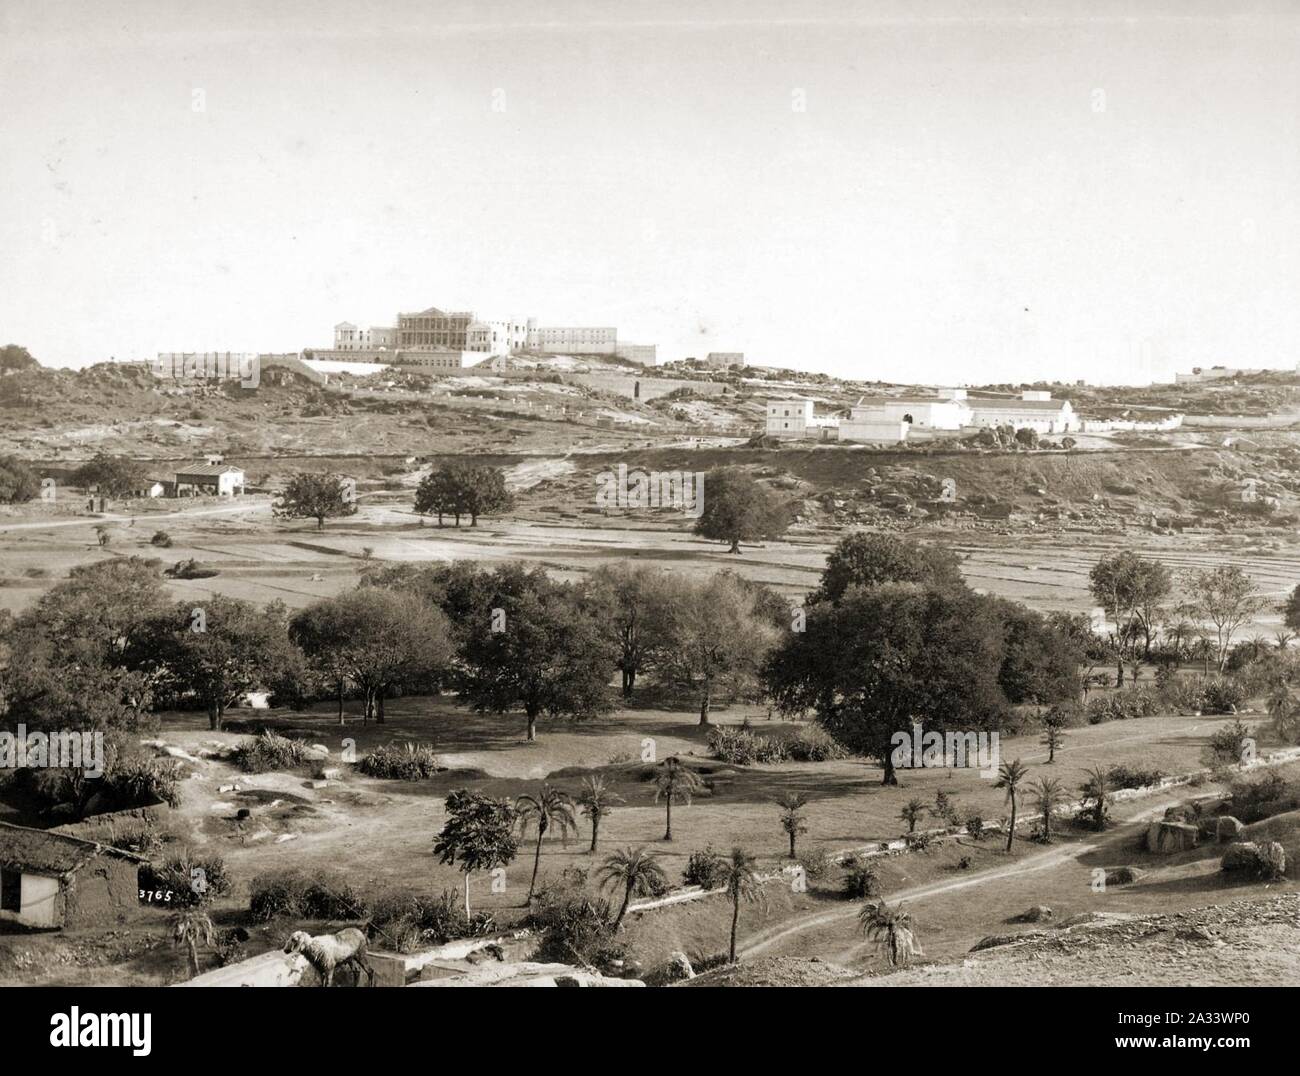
[{"x": 53, "y": 880}]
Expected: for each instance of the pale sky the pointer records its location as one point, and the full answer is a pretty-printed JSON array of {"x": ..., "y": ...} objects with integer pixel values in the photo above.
[{"x": 910, "y": 190}]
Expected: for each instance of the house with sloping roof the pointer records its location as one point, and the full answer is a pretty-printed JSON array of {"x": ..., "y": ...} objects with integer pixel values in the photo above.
[
  {"x": 55, "y": 880},
  {"x": 200, "y": 479},
  {"x": 1035, "y": 409}
]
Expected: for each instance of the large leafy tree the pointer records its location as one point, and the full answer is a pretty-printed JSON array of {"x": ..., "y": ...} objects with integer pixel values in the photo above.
[
  {"x": 316, "y": 496},
  {"x": 479, "y": 834},
  {"x": 1039, "y": 663},
  {"x": 634, "y": 605},
  {"x": 1290, "y": 609},
  {"x": 458, "y": 489},
  {"x": 214, "y": 652},
  {"x": 1226, "y": 598},
  {"x": 868, "y": 559},
  {"x": 68, "y": 663},
  {"x": 539, "y": 649},
  {"x": 717, "y": 638},
  {"x": 18, "y": 482},
  {"x": 377, "y": 638},
  {"x": 115, "y": 476},
  {"x": 738, "y": 508},
  {"x": 889, "y": 656},
  {"x": 1132, "y": 590},
  {"x": 14, "y": 359}
]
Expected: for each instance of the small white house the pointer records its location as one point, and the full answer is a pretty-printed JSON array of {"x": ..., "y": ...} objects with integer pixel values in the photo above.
[{"x": 210, "y": 479}]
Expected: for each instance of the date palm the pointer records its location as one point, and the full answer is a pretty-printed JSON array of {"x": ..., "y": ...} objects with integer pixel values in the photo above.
[
  {"x": 1048, "y": 794},
  {"x": 193, "y": 929},
  {"x": 1097, "y": 792},
  {"x": 549, "y": 809},
  {"x": 892, "y": 931},
  {"x": 913, "y": 811},
  {"x": 674, "y": 783},
  {"x": 792, "y": 820},
  {"x": 597, "y": 799},
  {"x": 1010, "y": 774},
  {"x": 638, "y": 873},
  {"x": 739, "y": 878}
]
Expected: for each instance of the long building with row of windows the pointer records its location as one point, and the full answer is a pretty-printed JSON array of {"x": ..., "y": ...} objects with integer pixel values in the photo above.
[{"x": 462, "y": 331}]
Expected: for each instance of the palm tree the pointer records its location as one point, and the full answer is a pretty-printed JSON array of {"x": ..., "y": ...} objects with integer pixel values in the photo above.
[
  {"x": 1049, "y": 794},
  {"x": 637, "y": 871},
  {"x": 892, "y": 931},
  {"x": 673, "y": 781},
  {"x": 1096, "y": 790},
  {"x": 792, "y": 805},
  {"x": 596, "y": 800},
  {"x": 1282, "y": 709},
  {"x": 741, "y": 883},
  {"x": 549, "y": 808},
  {"x": 1010, "y": 774},
  {"x": 912, "y": 813},
  {"x": 192, "y": 929}
]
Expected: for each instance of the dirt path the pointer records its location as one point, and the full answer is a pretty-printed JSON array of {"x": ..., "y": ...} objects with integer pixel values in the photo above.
[
  {"x": 764, "y": 940},
  {"x": 90, "y": 521}
]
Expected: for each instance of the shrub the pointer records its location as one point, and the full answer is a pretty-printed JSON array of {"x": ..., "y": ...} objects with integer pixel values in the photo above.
[
  {"x": 409, "y": 920},
  {"x": 742, "y": 747},
  {"x": 305, "y": 895},
  {"x": 142, "y": 783},
  {"x": 189, "y": 569},
  {"x": 401, "y": 762},
  {"x": 704, "y": 868},
  {"x": 815, "y": 863},
  {"x": 269, "y": 751},
  {"x": 1266, "y": 795},
  {"x": 189, "y": 880},
  {"x": 964, "y": 863},
  {"x": 161, "y": 538},
  {"x": 975, "y": 826},
  {"x": 814, "y": 744},
  {"x": 1222, "y": 695},
  {"x": 1133, "y": 777},
  {"x": 860, "y": 882},
  {"x": 919, "y": 842}
]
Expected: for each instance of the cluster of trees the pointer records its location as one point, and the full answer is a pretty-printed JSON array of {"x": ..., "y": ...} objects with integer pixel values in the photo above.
[
  {"x": 893, "y": 636},
  {"x": 1152, "y": 622},
  {"x": 457, "y": 489}
]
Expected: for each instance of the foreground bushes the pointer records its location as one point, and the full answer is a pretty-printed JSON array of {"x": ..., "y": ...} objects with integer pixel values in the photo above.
[
  {"x": 401, "y": 762},
  {"x": 186, "y": 880},
  {"x": 741, "y": 746},
  {"x": 408, "y": 921},
  {"x": 303, "y": 895},
  {"x": 574, "y": 926},
  {"x": 269, "y": 751}
]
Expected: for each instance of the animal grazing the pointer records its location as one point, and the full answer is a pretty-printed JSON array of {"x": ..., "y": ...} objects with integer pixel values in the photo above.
[{"x": 326, "y": 952}]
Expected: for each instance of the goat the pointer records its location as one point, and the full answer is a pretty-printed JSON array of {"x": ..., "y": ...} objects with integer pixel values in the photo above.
[{"x": 326, "y": 952}]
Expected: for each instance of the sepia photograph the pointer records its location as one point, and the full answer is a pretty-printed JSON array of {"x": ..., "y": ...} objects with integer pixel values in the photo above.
[{"x": 650, "y": 496}]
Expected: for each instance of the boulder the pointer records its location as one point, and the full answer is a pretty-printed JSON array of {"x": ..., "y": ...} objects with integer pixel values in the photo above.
[
  {"x": 1228, "y": 829},
  {"x": 678, "y": 968},
  {"x": 1039, "y": 913},
  {"x": 1124, "y": 875},
  {"x": 1182, "y": 812},
  {"x": 1167, "y": 838},
  {"x": 1242, "y": 856},
  {"x": 327, "y": 773}
]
